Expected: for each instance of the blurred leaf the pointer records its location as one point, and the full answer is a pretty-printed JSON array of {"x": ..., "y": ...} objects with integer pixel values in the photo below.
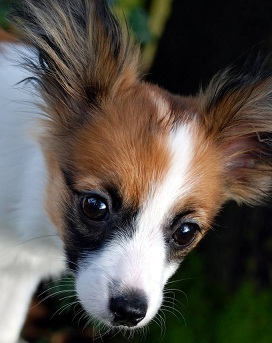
[
  {"x": 4, "y": 10},
  {"x": 247, "y": 317},
  {"x": 136, "y": 15},
  {"x": 138, "y": 20}
]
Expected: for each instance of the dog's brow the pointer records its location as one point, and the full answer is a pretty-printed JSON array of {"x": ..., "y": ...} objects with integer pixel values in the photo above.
[
  {"x": 117, "y": 200},
  {"x": 69, "y": 179},
  {"x": 182, "y": 214}
]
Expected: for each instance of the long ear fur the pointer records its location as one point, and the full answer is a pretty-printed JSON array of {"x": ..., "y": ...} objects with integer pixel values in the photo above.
[
  {"x": 83, "y": 54},
  {"x": 238, "y": 116}
]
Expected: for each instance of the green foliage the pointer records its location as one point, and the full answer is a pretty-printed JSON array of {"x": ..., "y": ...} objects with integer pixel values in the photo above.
[
  {"x": 138, "y": 20},
  {"x": 4, "y": 9},
  {"x": 247, "y": 317},
  {"x": 136, "y": 15}
]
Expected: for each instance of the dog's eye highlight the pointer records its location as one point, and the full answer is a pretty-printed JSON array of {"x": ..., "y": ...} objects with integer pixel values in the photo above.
[
  {"x": 95, "y": 208},
  {"x": 185, "y": 234}
]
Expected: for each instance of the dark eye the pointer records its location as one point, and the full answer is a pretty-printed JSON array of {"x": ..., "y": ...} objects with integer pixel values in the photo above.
[
  {"x": 185, "y": 234},
  {"x": 95, "y": 208}
]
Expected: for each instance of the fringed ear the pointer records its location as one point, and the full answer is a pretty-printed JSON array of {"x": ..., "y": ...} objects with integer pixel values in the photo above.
[
  {"x": 82, "y": 54},
  {"x": 238, "y": 118}
]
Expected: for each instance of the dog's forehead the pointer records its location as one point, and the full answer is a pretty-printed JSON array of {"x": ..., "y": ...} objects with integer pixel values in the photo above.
[
  {"x": 134, "y": 147},
  {"x": 175, "y": 184},
  {"x": 137, "y": 165}
]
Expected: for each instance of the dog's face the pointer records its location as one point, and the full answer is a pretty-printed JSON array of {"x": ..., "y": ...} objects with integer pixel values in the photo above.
[
  {"x": 135, "y": 174},
  {"x": 133, "y": 198}
]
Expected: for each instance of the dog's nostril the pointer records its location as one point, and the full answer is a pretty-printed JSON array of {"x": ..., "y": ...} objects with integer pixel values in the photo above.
[{"x": 128, "y": 309}]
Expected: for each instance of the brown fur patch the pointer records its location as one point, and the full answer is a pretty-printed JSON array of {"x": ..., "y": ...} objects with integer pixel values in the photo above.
[
  {"x": 236, "y": 114},
  {"x": 56, "y": 192},
  {"x": 7, "y": 37},
  {"x": 124, "y": 146}
]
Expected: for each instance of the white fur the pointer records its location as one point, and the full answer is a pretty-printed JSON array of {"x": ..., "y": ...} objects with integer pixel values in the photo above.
[
  {"x": 175, "y": 184},
  {"x": 29, "y": 247},
  {"x": 139, "y": 261}
]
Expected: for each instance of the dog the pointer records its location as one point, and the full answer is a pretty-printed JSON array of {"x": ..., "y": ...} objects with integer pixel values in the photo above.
[{"x": 108, "y": 176}]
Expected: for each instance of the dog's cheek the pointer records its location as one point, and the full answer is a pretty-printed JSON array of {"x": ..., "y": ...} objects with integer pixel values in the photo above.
[{"x": 93, "y": 291}]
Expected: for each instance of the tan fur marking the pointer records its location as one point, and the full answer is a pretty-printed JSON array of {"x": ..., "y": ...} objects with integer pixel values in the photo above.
[
  {"x": 235, "y": 124},
  {"x": 7, "y": 37},
  {"x": 164, "y": 110},
  {"x": 125, "y": 146},
  {"x": 56, "y": 192}
]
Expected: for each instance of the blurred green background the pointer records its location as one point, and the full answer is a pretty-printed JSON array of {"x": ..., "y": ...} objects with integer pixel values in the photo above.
[
  {"x": 4, "y": 9},
  {"x": 222, "y": 291}
]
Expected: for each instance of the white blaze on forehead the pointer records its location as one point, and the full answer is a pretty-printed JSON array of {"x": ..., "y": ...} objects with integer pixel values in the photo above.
[{"x": 175, "y": 183}]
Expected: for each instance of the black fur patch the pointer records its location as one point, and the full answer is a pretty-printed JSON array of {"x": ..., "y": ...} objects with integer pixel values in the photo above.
[{"x": 84, "y": 236}]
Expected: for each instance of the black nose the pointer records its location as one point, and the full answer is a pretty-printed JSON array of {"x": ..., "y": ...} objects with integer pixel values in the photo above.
[{"x": 128, "y": 308}]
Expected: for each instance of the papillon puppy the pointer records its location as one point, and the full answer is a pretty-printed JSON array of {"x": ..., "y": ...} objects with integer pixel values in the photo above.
[{"x": 108, "y": 175}]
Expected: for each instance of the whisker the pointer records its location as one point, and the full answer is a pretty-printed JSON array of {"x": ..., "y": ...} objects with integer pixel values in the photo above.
[
  {"x": 64, "y": 308},
  {"x": 179, "y": 280},
  {"x": 88, "y": 322},
  {"x": 162, "y": 319},
  {"x": 78, "y": 312},
  {"x": 176, "y": 290},
  {"x": 173, "y": 301},
  {"x": 68, "y": 297},
  {"x": 35, "y": 238},
  {"x": 174, "y": 312}
]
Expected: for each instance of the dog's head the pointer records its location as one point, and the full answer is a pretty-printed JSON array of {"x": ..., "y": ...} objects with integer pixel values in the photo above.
[{"x": 136, "y": 175}]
